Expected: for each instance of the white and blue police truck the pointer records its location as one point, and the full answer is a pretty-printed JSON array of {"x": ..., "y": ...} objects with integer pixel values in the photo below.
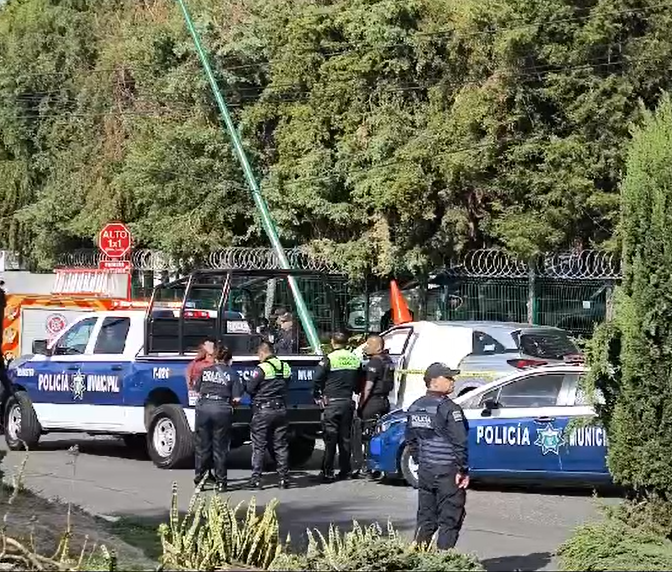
[{"x": 123, "y": 373}]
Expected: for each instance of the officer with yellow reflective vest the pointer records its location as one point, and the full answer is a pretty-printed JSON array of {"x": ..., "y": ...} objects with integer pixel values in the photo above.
[
  {"x": 268, "y": 388},
  {"x": 337, "y": 378}
]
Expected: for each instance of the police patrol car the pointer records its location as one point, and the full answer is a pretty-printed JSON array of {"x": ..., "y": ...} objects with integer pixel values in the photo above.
[
  {"x": 519, "y": 428},
  {"x": 123, "y": 373}
]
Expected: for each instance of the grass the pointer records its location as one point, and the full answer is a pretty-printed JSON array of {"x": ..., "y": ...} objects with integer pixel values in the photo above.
[{"x": 140, "y": 533}]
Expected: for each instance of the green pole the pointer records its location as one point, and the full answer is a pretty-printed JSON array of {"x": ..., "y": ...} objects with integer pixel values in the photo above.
[{"x": 259, "y": 201}]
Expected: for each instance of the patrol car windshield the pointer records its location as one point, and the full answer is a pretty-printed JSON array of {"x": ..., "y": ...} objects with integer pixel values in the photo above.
[{"x": 550, "y": 344}]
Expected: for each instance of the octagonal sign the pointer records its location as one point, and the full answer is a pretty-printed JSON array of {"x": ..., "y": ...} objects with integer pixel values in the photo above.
[{"x": 115, "y": 240}]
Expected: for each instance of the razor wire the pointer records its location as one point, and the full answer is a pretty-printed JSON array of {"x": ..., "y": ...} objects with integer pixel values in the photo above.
[
  {"x": 235, "y": 258},
  {"x": 483, "y": 263}
]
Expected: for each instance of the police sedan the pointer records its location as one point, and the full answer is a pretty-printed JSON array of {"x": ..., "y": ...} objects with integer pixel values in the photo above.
[{"x": 519, "y": 428}]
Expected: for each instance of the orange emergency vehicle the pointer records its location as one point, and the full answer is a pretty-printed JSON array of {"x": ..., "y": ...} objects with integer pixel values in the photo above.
[{"x": 75, "y": 292}]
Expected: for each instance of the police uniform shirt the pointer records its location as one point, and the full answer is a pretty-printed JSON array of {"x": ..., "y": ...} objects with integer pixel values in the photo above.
[
  {"x": 437, "y": 434},
  {"x": 380, "y": 373},
  {"x": 337, "y": 375},
  {"x": 219, "y": 380},
  {"x": 269, "y": 380}
]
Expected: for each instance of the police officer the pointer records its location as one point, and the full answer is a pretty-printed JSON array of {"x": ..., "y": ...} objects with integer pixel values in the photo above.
[
  {"x": 437, "y": 435},
  {"x": 219, "y": 388},
  {"x": 268, "y": 387},
  {"x": 336, "y": 379},
  {"x": 374, "y": 399}
]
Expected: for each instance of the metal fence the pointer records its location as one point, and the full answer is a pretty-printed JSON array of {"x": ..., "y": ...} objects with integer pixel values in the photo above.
[{"x": 571, "y": 290}]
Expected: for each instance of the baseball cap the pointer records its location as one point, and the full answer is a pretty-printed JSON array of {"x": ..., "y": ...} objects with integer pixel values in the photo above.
[{"x": 438, "y": 369}]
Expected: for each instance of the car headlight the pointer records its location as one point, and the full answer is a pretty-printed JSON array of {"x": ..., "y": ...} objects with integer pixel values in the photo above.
[{"x": 385, "y": 425}]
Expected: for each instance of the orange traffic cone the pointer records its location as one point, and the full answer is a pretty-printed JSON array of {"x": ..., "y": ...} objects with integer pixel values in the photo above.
[{"x": 400, "y": 312}]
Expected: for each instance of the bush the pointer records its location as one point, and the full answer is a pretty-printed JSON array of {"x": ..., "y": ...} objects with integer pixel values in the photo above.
[
  {"x": 211, "y": 537},
  {"x": 368, "y": 549},
  {"x": 614, "y": 545},
  {"x": 631, "y": 358}
]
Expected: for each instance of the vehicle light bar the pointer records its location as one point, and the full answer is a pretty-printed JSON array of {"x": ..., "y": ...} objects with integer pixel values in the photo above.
[{"x": 525, "y": 363}]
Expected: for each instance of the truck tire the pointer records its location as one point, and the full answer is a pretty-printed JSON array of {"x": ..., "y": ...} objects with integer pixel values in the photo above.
[
  {"x": 22, "y": 429},
  {"x": 409, "y": 468},
  {"x": 301, "y": 450},
  {"x": 170, "y": 442}
]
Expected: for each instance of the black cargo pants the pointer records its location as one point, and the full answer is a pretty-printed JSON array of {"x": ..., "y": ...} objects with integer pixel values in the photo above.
[
  {"x": 373, "y": 410},
  {"x": 337, "y": 427},
  {"x": 269, "y": 427},
  {"x": 440, "y": 506},
  {"x": 213, "y": 437}
]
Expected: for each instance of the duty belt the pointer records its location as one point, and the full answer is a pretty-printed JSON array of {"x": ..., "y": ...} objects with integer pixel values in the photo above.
[
  {"x": 270, "y": 404},
  {"x": 213, "y": 397}
]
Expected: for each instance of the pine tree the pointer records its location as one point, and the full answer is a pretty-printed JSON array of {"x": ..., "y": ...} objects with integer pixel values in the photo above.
[{"x": 631, "y": 357}]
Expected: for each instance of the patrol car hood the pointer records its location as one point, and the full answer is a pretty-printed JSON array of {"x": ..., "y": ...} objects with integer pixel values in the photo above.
[{"x": 393, "y": 416}]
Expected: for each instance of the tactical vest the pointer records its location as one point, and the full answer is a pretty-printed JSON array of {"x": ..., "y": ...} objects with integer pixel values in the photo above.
[
  {"x": 217, "y": 380},
  {"x": 385, "y": 383},
  {"x": 344, "y": 373},
  {"x": 273, "y": 367},
  {"x": 434, "y": 450}
]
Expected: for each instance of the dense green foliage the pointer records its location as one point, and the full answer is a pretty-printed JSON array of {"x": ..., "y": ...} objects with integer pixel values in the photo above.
[
  {"x": 632, "y": 357},
  {"x": 389, "y": 134}
]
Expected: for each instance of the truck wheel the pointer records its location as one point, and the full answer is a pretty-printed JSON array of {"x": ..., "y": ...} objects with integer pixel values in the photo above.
[
  {"x": 409, "y": 468},
  {"x": 22, "y": 429},
  {"x": 300, "y": 451},
  {"x": 170, "y": 442}
]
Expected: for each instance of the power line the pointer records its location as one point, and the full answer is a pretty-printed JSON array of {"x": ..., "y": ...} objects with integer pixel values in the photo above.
[{"x": 358, "y": 49}]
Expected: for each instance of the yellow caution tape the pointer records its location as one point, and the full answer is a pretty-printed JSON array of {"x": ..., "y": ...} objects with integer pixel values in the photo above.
[{"x": 482, "y": 374}]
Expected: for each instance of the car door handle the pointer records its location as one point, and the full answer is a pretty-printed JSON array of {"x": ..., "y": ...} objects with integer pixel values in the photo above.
[
  {"x": 73, "y": 368},
  {"x": 544, "y": 419},
  {"x": 117, "y": 368}
]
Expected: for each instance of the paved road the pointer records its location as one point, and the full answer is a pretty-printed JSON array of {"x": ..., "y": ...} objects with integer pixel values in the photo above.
[{"x": 507, "y": 528}]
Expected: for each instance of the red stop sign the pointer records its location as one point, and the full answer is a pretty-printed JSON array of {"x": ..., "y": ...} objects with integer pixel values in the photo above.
[{"x": 115, "y": 240}]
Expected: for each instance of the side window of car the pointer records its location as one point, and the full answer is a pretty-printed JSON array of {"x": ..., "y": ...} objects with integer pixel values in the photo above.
[
  {"x": 395, "y": 340},
  {"x": 485, "y": 344},
  {"x": 532, "y": 391},
  {"x": 112, "y": 336},
  {"x": 75, "y": 340}
]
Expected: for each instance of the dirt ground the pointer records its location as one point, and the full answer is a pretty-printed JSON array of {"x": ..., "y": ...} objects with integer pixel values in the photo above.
[{"x": 40, "y": 525}]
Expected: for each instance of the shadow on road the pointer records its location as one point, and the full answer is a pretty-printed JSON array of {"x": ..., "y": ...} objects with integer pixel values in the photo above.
[{"x": 531, "y": 562}]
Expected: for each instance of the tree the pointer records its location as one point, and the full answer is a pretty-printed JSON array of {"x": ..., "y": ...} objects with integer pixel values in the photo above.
[{"x": 632, "y": 356}]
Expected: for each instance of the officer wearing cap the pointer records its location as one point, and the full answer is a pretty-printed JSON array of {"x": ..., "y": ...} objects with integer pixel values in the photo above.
[
  {"x": 336, "y": 381},
  {"x": 268, "y": 389},
  {"x": 219, "y": 389},
  {"x": 436, "y": 433}
]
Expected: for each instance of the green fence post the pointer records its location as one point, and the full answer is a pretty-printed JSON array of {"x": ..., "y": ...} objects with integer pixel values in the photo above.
[
  {"x": 532, "y": 309},
  {"x": 262, "y": 207}
]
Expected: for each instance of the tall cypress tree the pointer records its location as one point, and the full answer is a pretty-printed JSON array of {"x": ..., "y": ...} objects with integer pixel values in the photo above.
[{"x": 632, "y": 356}]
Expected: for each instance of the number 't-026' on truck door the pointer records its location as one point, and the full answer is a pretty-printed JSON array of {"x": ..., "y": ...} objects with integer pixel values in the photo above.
[{"x": 95, "y": 380}]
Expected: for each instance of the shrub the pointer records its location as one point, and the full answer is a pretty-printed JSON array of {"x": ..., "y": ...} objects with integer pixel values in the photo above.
[
  {"x": 631, "y": 358},
  {"x": 210, "y": 536},
  {"x": 614, "y": 545},
  {"x": 368, "y": 549}
]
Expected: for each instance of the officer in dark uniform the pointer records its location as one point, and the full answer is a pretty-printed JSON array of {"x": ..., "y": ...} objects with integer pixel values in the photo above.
[
  {"x": 374, "y": 398},
  {"x": 219, "y": 388},
  {"x": 268, "y": 389},
  {"x": 336, "y": 380},
  {"x": 437, "y": 435}
]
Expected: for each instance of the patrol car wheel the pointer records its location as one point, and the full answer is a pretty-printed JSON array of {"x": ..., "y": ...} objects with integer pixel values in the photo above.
[
  {"x": 170, "y": 441},
  {"x": 300, "y": 451},
  {"x": 22, "y": 429},
  {"x": 409, "y": 468}
]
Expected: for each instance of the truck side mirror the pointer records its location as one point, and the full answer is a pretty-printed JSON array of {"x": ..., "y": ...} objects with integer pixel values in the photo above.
[{"x": 41, "y": 347}]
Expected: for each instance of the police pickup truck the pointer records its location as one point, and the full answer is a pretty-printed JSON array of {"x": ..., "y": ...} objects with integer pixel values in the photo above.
[{"x": 123, "y": 372}]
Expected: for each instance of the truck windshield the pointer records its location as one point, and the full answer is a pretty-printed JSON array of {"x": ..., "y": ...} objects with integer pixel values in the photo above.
[{"x": 546, "y": 344}]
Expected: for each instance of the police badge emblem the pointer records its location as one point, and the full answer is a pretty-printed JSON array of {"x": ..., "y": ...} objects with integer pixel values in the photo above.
[{"x": 78, "y": 386}]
